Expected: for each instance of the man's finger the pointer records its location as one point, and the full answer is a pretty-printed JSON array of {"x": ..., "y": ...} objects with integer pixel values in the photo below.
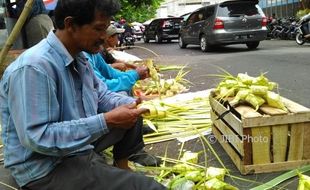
[
  {"x": 142, "y": 111},
  {"x": 138, "y": 101},
  {"x": 132, "y": 105}
]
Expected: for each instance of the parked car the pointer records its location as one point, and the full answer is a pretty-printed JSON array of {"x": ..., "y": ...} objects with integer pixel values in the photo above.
[
  {"x": 229, "y": 22},
  {"x": 2, "y": 23},
  {"x": 137, "y": 31},
  {"x": 162, "y": 29}
]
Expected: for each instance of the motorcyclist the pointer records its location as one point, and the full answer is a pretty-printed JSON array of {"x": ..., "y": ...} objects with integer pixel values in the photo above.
[{"x": 128, "y": 30}]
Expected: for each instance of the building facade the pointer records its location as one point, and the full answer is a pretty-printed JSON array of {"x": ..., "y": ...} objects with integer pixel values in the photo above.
[
  {"x": 281, "y": 8},
  {"x": 180, "y": 7}
]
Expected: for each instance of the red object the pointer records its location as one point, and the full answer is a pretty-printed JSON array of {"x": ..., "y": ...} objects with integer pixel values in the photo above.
[
  {"x": 50, "y": 4},
  {"x": 218, "y": 24},
  {"x": 48, "y": 1},
  {"x": 264, "y": 21}
]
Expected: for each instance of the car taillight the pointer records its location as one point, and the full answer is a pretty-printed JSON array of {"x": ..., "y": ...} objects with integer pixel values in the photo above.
[
  {"x": 218, "y": 24},
  {"x": 264, "y": 21}
]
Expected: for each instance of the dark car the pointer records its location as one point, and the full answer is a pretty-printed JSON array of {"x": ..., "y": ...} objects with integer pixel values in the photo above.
[
  {"x": 2, "y": 23},
  {"x": 229, "y": 22},
  {"x": 162, "y": 29}
]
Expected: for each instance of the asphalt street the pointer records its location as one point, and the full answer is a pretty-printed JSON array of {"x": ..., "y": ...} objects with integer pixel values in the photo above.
[{"x": 283, "y": 62}]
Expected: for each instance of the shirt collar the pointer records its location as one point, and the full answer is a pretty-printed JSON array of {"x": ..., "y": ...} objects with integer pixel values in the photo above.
[{"x": 54, "y": 41}]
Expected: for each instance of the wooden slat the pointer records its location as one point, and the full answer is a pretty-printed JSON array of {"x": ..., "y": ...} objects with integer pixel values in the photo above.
[
  {"x": 274, "y": 167},
  {"x": 228, "y": 134},
  {"x": 279, "y": 142},
  {"x": 247, "y": 112},
  {"x": 306, "y": 154},
  {"x": 272, "y": 111},
  {"x": 261, "y": 145},
  {"x": 247, "y": 147},
  {"x": 234, "y": 121},
  {"x": 229, "y": 150},
  {"x": 296, "y": 142},
  {"x": 294, "y": 107},
  {"x": 267, "y": 120}
]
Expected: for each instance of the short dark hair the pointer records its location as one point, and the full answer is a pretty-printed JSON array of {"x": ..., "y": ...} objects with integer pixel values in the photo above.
[{"x": 83, "y": 11}]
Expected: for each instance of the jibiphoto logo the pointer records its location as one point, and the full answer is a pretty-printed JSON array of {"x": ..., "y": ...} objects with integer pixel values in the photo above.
[{"x": 234, "y": 138}]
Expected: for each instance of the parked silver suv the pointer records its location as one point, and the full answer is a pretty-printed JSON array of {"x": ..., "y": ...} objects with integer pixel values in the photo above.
[{"x": 229, "y": 22}]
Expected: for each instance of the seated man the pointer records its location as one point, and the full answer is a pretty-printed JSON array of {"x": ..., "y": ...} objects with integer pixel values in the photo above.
[
  {"x": 108, "y": 51},
  {"x": 122, "y": 82},
  {"x": 117, "y": 81}
]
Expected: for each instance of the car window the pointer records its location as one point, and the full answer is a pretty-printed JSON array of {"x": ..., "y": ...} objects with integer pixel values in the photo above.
[
  {"x": 169, "y": 23},
  {"x": 200, "y": 16},
  {"x": 193, "y": 18},
  {"x": 185, "y": 17},
  {"x": 237, "y": 9},
  {"x": 152, "y": 25},
  {"x": 209, "y": 11}
]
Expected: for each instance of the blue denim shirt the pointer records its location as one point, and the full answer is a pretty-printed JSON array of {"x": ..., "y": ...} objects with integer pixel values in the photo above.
[
  {"x": 115, "y": 80},
  {"x": 43, "y": 120}
]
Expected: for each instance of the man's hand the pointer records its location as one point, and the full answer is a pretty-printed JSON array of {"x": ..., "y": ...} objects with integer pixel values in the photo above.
[
  {"x": 120, "y": 66},
  {"x": 130, "y": 66},
  {"x": 143, "y": 72},
  {"x": 124, "y": 116}
]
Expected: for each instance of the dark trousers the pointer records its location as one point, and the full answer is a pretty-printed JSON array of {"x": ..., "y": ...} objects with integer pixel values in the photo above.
[
  {"x": 90, "y": 172},
  {"x": 126, "y": 142}
]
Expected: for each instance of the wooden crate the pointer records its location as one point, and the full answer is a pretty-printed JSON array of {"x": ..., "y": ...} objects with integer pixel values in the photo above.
[{"x": 262, "y": 141}]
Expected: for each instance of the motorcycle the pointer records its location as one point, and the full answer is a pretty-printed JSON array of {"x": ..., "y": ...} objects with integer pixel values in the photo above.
[
  {"x": 303, "y": 31},
  {"x": 127, "y": 39}
]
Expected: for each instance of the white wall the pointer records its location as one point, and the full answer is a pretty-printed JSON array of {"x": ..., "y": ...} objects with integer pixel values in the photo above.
[{"x": 180, "y": 7}]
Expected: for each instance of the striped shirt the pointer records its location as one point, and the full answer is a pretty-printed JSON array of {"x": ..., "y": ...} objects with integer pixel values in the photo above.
[{"x": 50, "y": 108}]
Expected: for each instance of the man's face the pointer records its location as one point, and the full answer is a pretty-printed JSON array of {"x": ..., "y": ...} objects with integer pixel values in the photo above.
[
  {"x": 89, "y": 37},
  {"x": 112, "y": 40}
]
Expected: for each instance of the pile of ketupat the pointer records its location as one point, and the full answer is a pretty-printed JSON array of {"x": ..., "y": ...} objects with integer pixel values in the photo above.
[
  {"x": 186, "y": 174},
  {"x": 253, "y": 90},
  {"x": 157, "y": 86}
]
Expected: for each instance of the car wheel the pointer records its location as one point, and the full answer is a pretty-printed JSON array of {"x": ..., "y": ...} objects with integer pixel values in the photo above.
[
  {"x": 204, "y": 44},
  {"x": 145, "y": 39},
  {"x": 252, "y": 45},
  {"x": 182, "y": 44},
  {"x": 158, "y": 39},
  {"x": 299, "y": 39}
]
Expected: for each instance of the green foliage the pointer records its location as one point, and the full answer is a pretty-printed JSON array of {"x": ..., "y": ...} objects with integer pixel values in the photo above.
[
  {"x": 138, "y": 10},
  {"x": 303, "y": 12}
]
